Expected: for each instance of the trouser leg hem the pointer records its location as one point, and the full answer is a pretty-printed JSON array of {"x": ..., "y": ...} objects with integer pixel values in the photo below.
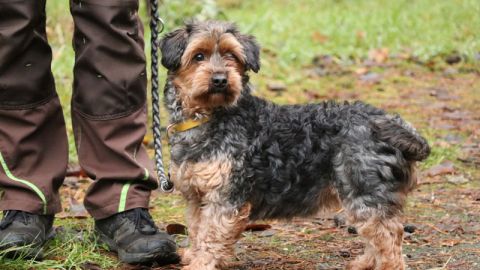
[{"x": 112, "y": 209}]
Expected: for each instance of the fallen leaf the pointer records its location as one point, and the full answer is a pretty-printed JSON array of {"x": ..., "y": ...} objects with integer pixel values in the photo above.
[
  {"x": 90, "y": 266},
  {"x": 361, "y": 71},
  {"x": 457, "y": 179},
  {"x": 360, "y": 35},
  {"x": 176, "y": 228},
  {"x": 257, "y": 227},
  {"x": 446, "y": 167},
  {"x": 75, "y": 170},
  {"x": 268, "y": 233},
  {"x": 450, "y": 242},
  {"x": 276, "y": 86},
  {"x": 371, "y": 77},
  {"x": 311, "y": 95},
  {"x": 379, "y": 56},
  {"x": 147, "y": 140},
  {"x": 319, "y": 37}
]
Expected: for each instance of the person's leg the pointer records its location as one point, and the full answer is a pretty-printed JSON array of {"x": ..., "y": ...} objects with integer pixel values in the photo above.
[
  {"x": 109, "y": 105},
  {"x": 33, "y": 140},
  {"x": 109, "y": 117}
]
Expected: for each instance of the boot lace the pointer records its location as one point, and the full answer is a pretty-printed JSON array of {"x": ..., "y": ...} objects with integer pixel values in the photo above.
[
  {"x": 143, "y": 220},
  {"x": 14, "y": 215}
]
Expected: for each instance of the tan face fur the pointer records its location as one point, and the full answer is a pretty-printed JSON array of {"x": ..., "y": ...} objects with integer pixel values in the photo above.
[
  {"x": 210, "y": 54},
  {"x": 207, "y": 64}
]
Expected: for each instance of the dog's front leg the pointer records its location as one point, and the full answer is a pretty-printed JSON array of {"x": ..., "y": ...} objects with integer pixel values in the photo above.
[
  {"x": 220, "y": 227},
  {"x": 193, "y": 223}
]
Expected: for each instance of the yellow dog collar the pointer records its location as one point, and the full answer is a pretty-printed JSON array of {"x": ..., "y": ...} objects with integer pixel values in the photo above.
[{"x": 186, "y": 125}]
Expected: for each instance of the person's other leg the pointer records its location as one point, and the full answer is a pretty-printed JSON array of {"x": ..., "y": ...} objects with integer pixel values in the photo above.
[
  {"x": 33, "y": 140},
  {"x": 109, "y": 105},
  {"x": 109, "y": 117}
]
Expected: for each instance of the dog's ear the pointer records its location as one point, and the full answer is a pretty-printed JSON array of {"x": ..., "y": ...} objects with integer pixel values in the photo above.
[
  {"x": 172, "y": 47},
  {"x": 251, "y": 50}
]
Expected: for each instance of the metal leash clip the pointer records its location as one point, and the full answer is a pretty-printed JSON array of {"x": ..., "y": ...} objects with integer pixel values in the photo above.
[
  {"x": 162, "y": 24},
  {"x": 167, "y": 186}
]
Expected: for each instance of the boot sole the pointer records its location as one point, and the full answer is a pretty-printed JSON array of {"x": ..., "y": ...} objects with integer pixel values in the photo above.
[{"x": 159, "y": 255}]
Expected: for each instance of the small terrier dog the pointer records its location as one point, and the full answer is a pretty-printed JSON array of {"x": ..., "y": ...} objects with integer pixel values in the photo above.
[{"x": 236, "y": 157}]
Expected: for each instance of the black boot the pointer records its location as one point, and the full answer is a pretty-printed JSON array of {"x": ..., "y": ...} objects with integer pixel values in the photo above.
[
  {"x": 24, "y": 233},
  {"x": 136, "y": 239}
]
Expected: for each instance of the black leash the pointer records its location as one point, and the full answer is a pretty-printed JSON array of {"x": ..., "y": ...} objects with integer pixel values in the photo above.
[{"x": 155, "y": 22}]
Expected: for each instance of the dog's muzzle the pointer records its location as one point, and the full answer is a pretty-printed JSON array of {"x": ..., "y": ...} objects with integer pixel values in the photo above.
[{"x": 218, "y": 83}]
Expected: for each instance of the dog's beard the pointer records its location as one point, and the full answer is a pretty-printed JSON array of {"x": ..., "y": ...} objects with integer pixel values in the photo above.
[
  {"x": 204, "y": 96},
  {"x": 210, "y": 99}
]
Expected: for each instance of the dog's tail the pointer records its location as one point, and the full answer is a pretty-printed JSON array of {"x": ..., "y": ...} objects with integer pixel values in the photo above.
[{"x": 395, "y": 131}]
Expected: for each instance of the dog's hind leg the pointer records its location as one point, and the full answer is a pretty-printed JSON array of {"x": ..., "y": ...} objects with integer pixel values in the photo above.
[
  {"x": 218, "y": 231},
  {"x": 383, "y": 249},
  {"x": 372, "y": 182}
]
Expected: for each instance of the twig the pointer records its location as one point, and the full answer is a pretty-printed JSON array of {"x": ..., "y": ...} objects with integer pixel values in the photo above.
[
  {"x": 445, "y": 265},
  {"x": 435, "y": 228}
]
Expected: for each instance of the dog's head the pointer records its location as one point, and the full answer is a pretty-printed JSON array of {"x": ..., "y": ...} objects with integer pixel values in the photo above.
[{"x": 207, "y": 63}]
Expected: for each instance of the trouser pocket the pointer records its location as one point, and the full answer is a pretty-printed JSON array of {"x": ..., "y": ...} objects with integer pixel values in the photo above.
[{"x": 110, "y": 77}]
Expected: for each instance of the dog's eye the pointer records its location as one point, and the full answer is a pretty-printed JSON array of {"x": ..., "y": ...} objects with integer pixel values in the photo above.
[
  {"x": 229, "y": 55},
  {"x": 199, "y": 57}
]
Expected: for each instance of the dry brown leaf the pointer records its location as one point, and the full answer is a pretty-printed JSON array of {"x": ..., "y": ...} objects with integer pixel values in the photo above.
[
  {"x": 379, "y": 56},
  {"x": 257, "y": 227},
  {"x": 176, "y": 228},
  {"x": 446, "y": 167},
  {"x": 319, "y": 37}
]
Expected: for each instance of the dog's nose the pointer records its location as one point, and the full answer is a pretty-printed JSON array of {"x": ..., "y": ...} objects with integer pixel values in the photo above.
[{"x": 219, "y": 80}]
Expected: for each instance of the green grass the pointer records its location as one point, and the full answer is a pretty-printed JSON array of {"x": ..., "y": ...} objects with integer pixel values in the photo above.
[
  {"x": 291, "y": 33},
  {"x": 352, "y": 28}
]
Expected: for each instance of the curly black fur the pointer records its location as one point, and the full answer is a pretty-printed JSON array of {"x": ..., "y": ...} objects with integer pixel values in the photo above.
[
  {"x": 285, "y": 156},
  {"x": 257, "y": 160}
]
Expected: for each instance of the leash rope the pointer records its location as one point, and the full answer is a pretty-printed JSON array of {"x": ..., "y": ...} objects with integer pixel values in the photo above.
[{"x": 155, "y": 21}]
